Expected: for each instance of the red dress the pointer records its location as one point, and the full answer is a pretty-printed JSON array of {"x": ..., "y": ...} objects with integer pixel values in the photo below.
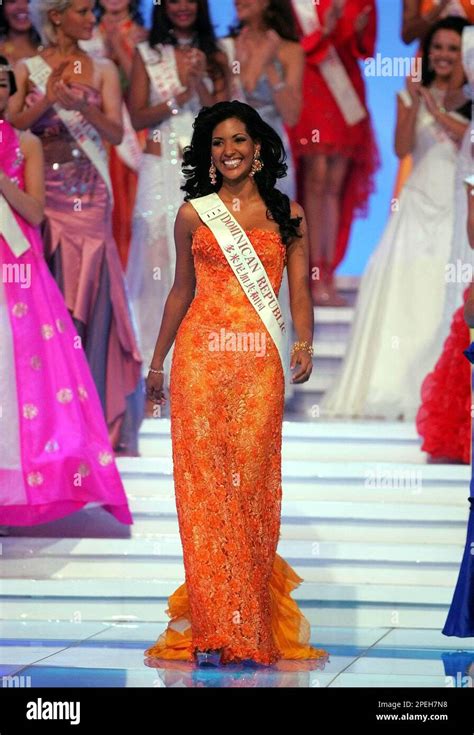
[
  {"x": 321, "y": 112},
  {"x": 444, "y": 417}
]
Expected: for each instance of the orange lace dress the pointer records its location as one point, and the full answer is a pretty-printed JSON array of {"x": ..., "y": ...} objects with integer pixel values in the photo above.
[{"x": 226, "y": 410}]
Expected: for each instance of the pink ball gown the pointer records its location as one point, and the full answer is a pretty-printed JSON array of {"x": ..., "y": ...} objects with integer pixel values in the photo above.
[
  {"x": 55, "y": 455},
  {"x": 82, "y": 255}
]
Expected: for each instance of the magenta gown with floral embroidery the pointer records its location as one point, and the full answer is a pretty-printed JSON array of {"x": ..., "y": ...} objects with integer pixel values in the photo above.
[{"x": 55, "y": 455}]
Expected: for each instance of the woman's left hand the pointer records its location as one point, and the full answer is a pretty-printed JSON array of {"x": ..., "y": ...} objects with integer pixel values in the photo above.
[
  {"x": 69, "y": 98},
  {"x": 304, "y": 361},
  {"x": 429, "y": 101}
]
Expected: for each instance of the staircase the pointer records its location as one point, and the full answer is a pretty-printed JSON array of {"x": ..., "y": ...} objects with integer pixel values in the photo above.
[{"x": 375, "y": 532}]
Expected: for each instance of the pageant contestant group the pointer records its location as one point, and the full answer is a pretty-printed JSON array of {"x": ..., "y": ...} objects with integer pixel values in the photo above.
[{"x": 149, "y": 180}]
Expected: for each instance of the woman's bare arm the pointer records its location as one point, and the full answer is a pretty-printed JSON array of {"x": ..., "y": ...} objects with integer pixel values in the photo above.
[
  {"x": 142, "y": 114},
  {"x": 288, "y": 99},
  {"x": 301, "y": 304},
  {"x": 405, "y": 129},
  {"x": 22, "y": 117},
  {"x": 415, "y": 25},
  {"x": 30, "y": 202},
  {"x": 182, "y": 291}
]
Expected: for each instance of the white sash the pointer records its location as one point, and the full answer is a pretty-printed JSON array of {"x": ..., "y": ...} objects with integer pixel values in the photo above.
[
  {"x": 83, "y": 132},
  {"x": 332, "y": 69},
  {"x": 161, "y": 68},
  {"x": 160, "y": 64},
  {"x": 468, "y": 52},
  {"x": 11, "y": 230},
  {"x": 245, "y": 263},
  {"x": 129, "y": 150}
]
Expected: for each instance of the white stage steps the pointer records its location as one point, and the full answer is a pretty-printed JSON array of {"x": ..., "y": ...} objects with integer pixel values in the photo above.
[
  {"x": 376, "y": 543},
  {"x": 376, "y": 534}
]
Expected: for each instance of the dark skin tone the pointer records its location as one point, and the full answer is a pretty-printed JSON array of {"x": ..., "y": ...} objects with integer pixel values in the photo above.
[{"x": 231, "y": 141}]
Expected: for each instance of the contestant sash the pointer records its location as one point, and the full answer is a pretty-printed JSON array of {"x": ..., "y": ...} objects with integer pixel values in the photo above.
[
  {"x": 332, "y": 69},
  {"x": 83, "y": 132},
  {"x": 245, "y": 263},
  {"x": 160, "y": 65},
  {"x": 129, "y": 150},
  {"x": 467, "y": 47},
  {"x": 11, "y": 230}
]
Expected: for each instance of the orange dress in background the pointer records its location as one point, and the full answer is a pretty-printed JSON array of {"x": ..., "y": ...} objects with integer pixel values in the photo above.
[{"x": 226, "y": 412}]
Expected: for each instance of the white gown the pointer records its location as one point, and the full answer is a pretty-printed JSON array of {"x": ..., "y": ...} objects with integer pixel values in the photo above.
[
  {"x": 395, "y": 337},
  {"x": 461, "y": 255},
  {"x": 152, "y": 257}
]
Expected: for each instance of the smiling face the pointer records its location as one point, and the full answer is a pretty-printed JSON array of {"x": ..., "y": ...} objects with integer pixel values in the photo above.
[
  {"x": 182, "y": 14},
  {"x": 232, "y": 149},
  {"x": 4, "y": 90},
  {"x": 17, "y": 16},
  {"x": 445, "y": 53},
  {"x": 77, "y": 21}
]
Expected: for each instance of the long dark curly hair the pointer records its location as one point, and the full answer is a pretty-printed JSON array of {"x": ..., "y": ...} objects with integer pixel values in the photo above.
[
  {"x": 451, "y": 23},
  {"x": 197, "y": 156},
  {"x": 162, "y": 31},
  {"x": 277, "y": 16},
  {"x": 5, "y": 28}
]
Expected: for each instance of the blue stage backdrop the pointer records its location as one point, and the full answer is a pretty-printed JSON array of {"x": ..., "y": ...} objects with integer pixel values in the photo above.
[{"x": 381, "y": 96}]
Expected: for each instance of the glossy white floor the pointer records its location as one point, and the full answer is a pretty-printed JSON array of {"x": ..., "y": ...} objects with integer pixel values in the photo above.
[{"x": 376, "y": 534}]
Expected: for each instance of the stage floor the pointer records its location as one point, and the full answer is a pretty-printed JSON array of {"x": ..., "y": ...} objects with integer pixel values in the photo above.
[{"x": 90, "y": 654}]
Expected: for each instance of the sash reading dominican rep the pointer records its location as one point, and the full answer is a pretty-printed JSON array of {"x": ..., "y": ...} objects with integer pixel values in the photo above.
[
  {"x": 245, "y": 263},
  {"x": 85, "y": 135}
]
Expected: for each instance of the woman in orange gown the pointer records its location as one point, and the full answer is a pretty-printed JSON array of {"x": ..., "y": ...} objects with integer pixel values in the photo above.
[{"x": 227, "y": 404}]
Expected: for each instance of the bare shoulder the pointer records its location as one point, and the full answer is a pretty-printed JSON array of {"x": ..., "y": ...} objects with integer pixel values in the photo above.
[
  {"x": 296, "y": 210},
  {"x": 188, "y": 218},
  {"x": 290, "y": 50},
  {"x": 30, "y": 143},
  {"x": 21, "y": 70},
  {"x": 105, "y": 67}
]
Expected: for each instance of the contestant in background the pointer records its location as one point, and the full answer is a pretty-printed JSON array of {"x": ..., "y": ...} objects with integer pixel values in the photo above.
[
  {"x": 18, "y": 38},
  {"x": 177, "y": 71},
  {"x": 119, "y": 30},
  {"x": 460, "y": 620},
  {"x": 418, "y": 18},
  {"x": 333, "y": 141},
  {"x": 55, "y": 453},
  {"x": 395, "y": 334},
  {"x": 444, "y": 417},
  {"x": 267, "y": 64},
  {"x": 71, "y": 102}
]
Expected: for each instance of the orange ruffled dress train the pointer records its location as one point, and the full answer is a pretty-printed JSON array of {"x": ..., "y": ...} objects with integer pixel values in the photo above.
[{"x": 226, "y": 407}]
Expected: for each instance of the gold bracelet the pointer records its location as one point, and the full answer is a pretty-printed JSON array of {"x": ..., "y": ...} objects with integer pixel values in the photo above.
[
  {"x": 153, "y": 370},
  {"x": 302, "y": 346}
]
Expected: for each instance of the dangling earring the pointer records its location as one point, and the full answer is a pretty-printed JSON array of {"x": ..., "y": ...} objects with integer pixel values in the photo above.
[
  {"x": 257, "y": 163},
  {"x": 212, "y": 173}
]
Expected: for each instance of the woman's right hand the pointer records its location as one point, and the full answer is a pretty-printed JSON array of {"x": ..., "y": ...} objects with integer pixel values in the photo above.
[
  {"x": 414, "y": 89},
  {"x": 154, "y": 389}
]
